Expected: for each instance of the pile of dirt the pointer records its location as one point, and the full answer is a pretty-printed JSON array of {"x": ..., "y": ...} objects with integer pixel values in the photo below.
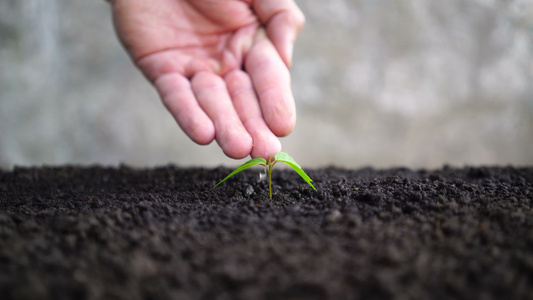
[{"x": 164, "y": 233}]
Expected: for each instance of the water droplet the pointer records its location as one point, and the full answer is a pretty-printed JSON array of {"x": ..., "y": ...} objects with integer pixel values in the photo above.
[{"x": 262, "y": 175}]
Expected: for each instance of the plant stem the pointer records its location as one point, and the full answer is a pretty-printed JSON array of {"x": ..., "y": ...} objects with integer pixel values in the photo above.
[
  {"x": 270, "y": 166},
  {"x": 270, "y": 181}
]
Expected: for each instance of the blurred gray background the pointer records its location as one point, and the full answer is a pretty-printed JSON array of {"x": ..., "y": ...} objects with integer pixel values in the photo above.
[{"x": 380, "y": 83}]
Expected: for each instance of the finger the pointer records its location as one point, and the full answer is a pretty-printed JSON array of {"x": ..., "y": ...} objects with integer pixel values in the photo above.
[
  {"x": 271, "y": 81},
  {"x": 212, "y": 95},
  {"x": 283, "y": 21},
  {"x": 176, "y": 94},
  {"x": 265, "y": 143}
]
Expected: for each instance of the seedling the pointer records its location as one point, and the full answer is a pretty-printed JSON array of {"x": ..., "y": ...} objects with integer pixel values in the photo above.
[{"x": 279, "y": 157}]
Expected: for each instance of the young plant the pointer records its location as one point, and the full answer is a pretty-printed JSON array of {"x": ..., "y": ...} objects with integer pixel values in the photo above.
[{"x": 269, "y": 165}]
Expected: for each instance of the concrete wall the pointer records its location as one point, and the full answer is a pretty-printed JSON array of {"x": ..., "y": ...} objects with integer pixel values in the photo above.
[{"x": 416, "y": 83}]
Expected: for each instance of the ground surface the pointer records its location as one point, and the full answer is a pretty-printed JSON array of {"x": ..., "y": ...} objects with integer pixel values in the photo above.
[{"x": 121, "y": 233}]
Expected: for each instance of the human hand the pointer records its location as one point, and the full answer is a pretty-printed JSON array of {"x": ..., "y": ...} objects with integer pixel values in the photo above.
[{"x": 220, "y": 67}]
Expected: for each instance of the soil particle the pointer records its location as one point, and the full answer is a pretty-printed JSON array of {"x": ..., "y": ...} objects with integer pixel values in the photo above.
[{"x": 163, "y": 233}]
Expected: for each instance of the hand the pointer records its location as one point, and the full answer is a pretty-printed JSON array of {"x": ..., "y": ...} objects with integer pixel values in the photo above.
[{"x": 220, "y": 67}]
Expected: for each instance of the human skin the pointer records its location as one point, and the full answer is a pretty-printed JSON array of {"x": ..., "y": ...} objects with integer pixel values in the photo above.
[{"x": 221, "y": 67}]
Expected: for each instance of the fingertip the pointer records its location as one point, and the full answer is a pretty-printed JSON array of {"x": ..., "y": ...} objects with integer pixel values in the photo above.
[
  {"x": 279, "y": 112},
  {"x": 202, "y": 132},
  {"x": 271, "y": 80},
  {"x": 282, "y": 126},
  {"x": 266, "y": 145},
  {"x": 235, "y": 145},
  {"x": 176, "y": 94},
  {"x": 212, "y": 95}
]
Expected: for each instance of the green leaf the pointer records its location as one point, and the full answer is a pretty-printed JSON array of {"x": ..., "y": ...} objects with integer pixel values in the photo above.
[
  {"x": 285, "y": 158},
  {"x": 246, "y": 165}
]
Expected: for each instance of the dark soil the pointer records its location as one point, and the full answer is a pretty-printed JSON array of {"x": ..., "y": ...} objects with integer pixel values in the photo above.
[{"x": 164, "y": 233}]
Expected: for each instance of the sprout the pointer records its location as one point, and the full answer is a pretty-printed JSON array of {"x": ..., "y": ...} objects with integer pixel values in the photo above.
[{"x": 279, "y": 157}]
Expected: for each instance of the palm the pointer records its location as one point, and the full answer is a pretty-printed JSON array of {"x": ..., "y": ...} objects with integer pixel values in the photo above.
[
  {"x": 192, "y": 36},
  {"x": 193, "y": 52}
]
